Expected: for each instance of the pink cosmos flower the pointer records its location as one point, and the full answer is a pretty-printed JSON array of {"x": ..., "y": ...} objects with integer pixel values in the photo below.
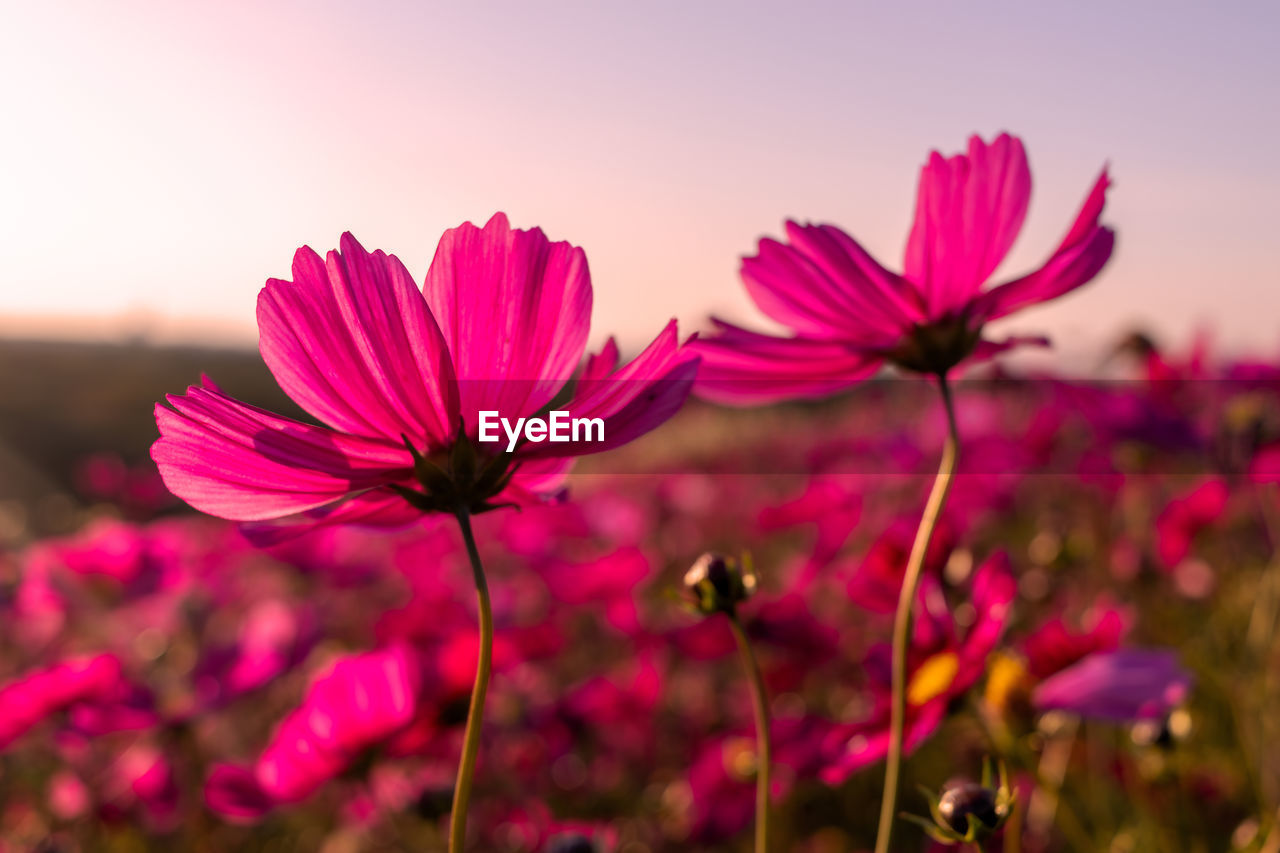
[
  {"x": 942, "y": 665},
  {"x": 831, "y": 503},
  {"x": 400, "y": 375},
  {"x": 848, "y": 314},
  {"x": 1055, "y": 645},
  {"x": 272, "y": 638},
  {"x": 1086, "y": 672},
  {"x": 1185, "y": 516},
  {"x": 877, "y": 579},
  {"x": 359, "y": 704},
  {"x": 1124, "y": 685},
  {"x": 36, "y": 696}
]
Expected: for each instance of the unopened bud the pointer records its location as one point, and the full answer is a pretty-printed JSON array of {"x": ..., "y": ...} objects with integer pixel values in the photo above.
[
  {"x": 961, "y": 802},
  {"x": 967, "y": 811},
  {"x": 718, "y": 583}
]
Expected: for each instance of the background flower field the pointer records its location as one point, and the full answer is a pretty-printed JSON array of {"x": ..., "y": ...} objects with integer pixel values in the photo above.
[{"x": 150, "y": 657}]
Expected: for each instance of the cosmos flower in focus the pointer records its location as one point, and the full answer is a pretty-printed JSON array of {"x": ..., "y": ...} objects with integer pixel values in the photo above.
[
  {"x": 848, "y": 315},
  {"x": 399, "y": 376}
]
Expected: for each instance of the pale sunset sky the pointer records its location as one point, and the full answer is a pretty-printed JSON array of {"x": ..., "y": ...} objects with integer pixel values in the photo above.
[{"x": 161, "y": 160}]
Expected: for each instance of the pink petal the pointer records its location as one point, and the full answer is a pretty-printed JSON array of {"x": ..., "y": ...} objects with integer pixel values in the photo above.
[
  {"x": 1265, "y": 467},
  {"x": 378, "y": 507},
  {"x": 232, "y": 792},
  {"x": 969, "y": 210},
  {"x": 1081, "y": 256},
  {"x": 994, "y": 589},
  {"x": 633, "y": 400},
  {"x": 741, "y": 367},
  {"x": 515, "y": 309},
  {"x": 237, "y": 461},
  {"x": 351, "y": 340},
  {"x": 824, "y": 285},
  {"x": 601, "y": 364},
  {"x": 362, "y": 700}
]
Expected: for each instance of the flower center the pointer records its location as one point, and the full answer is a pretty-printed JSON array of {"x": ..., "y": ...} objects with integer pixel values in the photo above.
[
  {"x": 463, "y": 479},
  {"x": 933, "y": 678},
  {"x": 937, "y": 346},
  {"x": 1007, "y": 680}
]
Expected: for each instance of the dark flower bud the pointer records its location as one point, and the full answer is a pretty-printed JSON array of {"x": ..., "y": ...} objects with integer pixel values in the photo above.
[
  {"x": 718, "y": 583},
  {"x": 571, "y": 842},
  {"x": 960, "y": 802},
  {"x": 967, "y": 811}
]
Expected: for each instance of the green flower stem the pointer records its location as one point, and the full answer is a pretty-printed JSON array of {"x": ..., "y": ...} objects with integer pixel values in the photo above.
[
  {"x": 902, "y": 619},
  {"x": 764, "y": 741},
  {"x": 475, "y": 716},
  {"x": 1263, "y": 616}
]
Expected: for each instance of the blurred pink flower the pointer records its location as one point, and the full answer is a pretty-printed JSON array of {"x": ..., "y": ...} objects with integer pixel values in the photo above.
[
  {"x": 69, "y": 797},
  {"x": 399, "y": 377},
  {"x": 1054, "y": 645},
  {"x": 142, "y": 779},
  {"x": 1130, "y": 684},
  {"x": 360, "y": 703},
  {"x": 941, "y": 666},
  {"x": 272, "y": 638},
  {"x": 1185, "y": 516},
  {"x": 607, "y": 581},
  {"x": 877, "y": 579},
  {"x": 30, "y": 699},
  {"x": 1265, "y": 467},
  {"x": 831, "y": 503},
  {"x": 848, "y": 314}
]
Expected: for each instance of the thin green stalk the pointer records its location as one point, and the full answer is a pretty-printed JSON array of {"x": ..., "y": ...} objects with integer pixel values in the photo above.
[
  {"x": 764, "y": 741},
  {"x": 475, "y": 716},
  {"x": 1260, "y": 642},
  {"x": 1262, "y": 618},
  {"x": 902, "y": 619}
]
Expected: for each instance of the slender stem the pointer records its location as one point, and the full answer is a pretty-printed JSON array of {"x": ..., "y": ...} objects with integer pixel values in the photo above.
[
  {"x": 1260, "y": 643},
  {"x": 1013, "y": 829},
  {"x": 764, "y": 741},
  {"x": 475, "y": 716},
  {"x": 902, "y": 619},
  {"x": 1262, "y": 617}
]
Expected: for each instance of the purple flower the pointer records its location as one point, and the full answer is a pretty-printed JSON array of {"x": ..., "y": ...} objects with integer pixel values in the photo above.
[{"x": 1125, "y": 685}]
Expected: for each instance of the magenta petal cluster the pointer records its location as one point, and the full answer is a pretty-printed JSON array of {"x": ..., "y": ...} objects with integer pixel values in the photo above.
[
  {"x": 399, "y": 376},
  {"x": 37, "y": 695},
  {"x": 358, "y": 704},
  {"x": 848, "y": 314}
]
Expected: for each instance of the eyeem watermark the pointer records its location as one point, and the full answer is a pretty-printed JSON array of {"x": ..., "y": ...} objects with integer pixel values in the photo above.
[{"x": 558, "y": 426}]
